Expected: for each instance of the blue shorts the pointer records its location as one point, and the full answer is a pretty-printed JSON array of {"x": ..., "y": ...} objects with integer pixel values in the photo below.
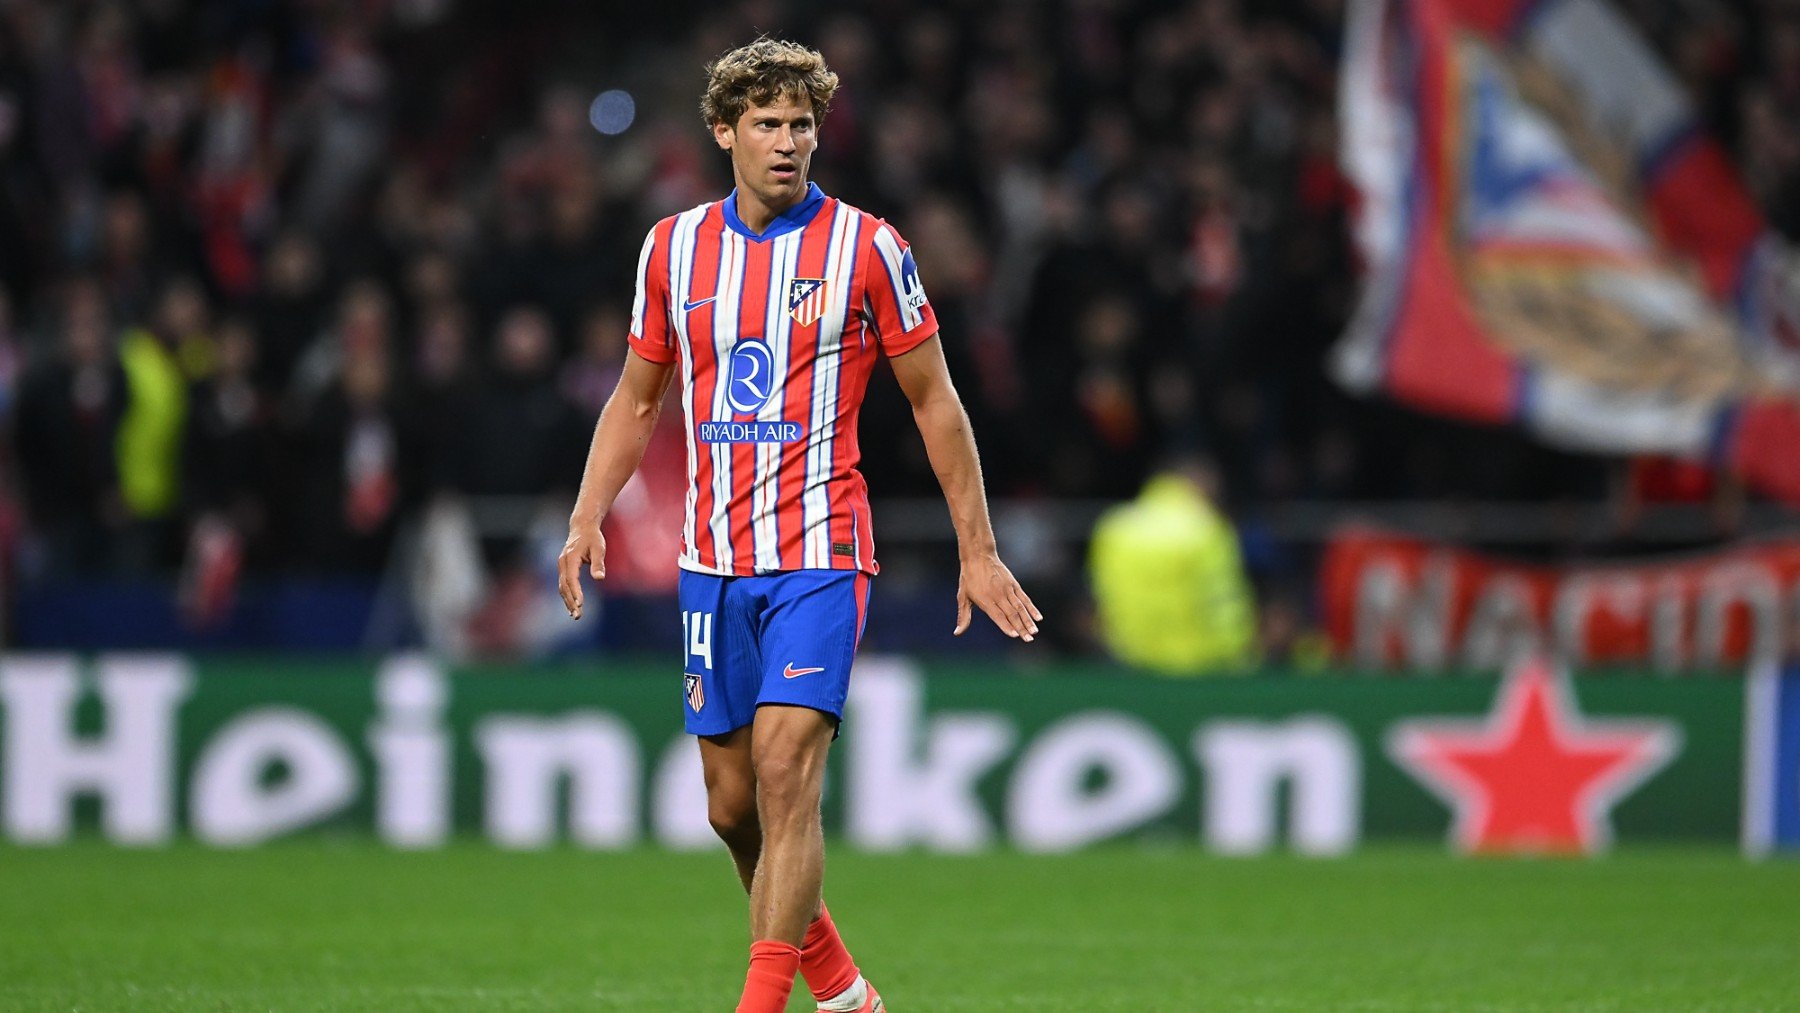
[{"x": 782, "y": 638}]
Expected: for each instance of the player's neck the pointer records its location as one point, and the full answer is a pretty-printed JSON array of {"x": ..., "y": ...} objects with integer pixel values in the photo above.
[{"x": 757, "y": 214}]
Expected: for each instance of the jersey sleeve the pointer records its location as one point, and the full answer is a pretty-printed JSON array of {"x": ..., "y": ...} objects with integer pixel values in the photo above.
[
  {"x": 651, "y": 336},
  {"x": 893, "y": 298}
]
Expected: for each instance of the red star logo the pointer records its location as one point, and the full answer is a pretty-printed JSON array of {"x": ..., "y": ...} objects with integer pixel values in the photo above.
[{"x": 1534, "y": 776}]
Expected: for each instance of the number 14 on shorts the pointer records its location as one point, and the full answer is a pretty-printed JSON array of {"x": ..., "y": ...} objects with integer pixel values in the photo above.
[{"x": 696, "y": 630}]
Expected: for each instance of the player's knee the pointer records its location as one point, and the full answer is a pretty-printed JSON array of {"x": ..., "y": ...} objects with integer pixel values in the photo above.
[{"x": 733, "y": 818}]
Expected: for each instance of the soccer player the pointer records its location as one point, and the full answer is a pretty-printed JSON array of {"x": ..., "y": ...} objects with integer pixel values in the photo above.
[{"x": 774, "y": 306}]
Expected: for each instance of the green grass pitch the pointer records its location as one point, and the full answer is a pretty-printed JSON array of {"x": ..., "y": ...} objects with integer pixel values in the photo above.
[{"x": 342, "y": 925}]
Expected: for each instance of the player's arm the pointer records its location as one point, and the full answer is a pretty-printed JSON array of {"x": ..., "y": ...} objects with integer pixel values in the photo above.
[
  {"x": 984, "y": 581},
  {"x": 618, "y": 447}
]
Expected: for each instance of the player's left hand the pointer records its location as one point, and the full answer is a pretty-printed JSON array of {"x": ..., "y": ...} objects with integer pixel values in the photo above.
[{"x": 987, "y": 583}]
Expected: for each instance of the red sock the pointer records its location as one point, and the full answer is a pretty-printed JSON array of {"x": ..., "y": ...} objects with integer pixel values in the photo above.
[
  {"x": 771, "y": 977},
  {"x": 824, "y": 960}
]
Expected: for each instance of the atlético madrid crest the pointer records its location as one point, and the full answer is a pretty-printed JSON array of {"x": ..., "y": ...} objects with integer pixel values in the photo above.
[
  {"x": 696, "y": 697},
  {"x": 806, "y": 299}
]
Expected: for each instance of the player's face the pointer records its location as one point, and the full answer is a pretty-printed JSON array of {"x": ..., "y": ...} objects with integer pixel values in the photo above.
[{"x": 771, "y": 150}]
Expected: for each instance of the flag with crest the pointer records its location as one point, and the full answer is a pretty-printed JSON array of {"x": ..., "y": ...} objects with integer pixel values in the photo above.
[{"x": 1552, "y": 242}]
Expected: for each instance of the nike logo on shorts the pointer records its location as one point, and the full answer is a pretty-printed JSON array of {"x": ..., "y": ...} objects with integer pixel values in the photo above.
[
  {"x": 689, "y": 307},
  {"x": 790, "y": 672}
]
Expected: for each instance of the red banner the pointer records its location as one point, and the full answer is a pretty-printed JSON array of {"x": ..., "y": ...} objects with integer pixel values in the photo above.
[{"x": 1397, "y": 602}]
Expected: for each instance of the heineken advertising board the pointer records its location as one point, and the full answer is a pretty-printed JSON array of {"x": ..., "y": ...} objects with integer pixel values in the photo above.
[{"x": 144, "y": 748}]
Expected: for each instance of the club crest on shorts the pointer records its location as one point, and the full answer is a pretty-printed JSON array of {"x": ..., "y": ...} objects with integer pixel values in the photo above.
[
  {"x": 806, "y": 299},
  {"x": 696, "y": 696}
]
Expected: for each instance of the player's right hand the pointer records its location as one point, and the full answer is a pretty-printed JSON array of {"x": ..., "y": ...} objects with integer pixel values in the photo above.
[{"x": 586, "y": 546}]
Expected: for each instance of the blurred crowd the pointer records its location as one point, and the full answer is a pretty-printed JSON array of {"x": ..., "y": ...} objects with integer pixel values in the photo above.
[{"x": 275, "y": 274}]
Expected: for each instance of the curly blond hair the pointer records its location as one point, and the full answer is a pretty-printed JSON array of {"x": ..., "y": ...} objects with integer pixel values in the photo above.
[{"x": 764, "y": 72}]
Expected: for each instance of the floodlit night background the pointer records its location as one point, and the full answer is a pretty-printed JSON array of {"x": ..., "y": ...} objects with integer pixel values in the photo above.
[{"x": 1391, "y": 404}]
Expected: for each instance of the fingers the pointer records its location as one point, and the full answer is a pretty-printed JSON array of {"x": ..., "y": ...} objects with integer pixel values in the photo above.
[
  {"x": 579, "y": 550},
  {"x": 1011, "y": 619},
  {"x": 1030, "y": 606},
  {"x": 1026, "y": 613},
  {"x": 1002, "y": 614},
  {"x": 962, "y": 612},
  {"x": 1012, "y": 610},
  {"x": 568, "y": 582}
]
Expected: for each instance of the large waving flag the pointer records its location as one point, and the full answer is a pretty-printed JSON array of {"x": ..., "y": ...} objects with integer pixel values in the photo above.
[{"x": 1552, "y": 243}]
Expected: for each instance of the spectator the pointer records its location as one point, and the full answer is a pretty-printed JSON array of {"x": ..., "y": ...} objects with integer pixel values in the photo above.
[
  {"x": 357, "y": 456},
  {"x": 519, "y": 437},
  {"x": 343, "y": 123},
  {"x": 590, "y": 376},
  {"x": 226, "y": 474},
  {"x": 362, "y": 331},
  {"x": 289, "y": 310},
  {"x": 228, "y": 450},
  {"x": 447, "y": 383},
  {"x": 159, "y": 361},
  {"x": 65, "y": 435},
  {"x": 126, "y": 257}
]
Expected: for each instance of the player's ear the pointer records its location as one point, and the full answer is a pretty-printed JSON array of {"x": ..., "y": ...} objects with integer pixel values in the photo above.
[{"x": 723, "y": 134}]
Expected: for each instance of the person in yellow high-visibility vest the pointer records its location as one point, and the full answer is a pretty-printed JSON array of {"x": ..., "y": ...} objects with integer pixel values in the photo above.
[
  {"x": 1168, "y": 578},
  {"x": 159, "y": 360}
]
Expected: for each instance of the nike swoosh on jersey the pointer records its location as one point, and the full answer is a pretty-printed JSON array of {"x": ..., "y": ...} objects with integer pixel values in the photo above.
[
  {"x": 790, "y": 672},
  {"x": 689, "y": 307}
]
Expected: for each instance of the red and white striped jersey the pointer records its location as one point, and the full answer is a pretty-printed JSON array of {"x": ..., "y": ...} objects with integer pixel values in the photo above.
[{"x": 776, "y": 335}]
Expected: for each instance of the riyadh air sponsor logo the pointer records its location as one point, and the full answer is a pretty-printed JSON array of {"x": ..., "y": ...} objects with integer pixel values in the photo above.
[
  {"x": 749, "y": 432},
  {"x": 790, "y": 672},
  {"x": 806, "y": 300},
  {"x": 750, "y": 376}
]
